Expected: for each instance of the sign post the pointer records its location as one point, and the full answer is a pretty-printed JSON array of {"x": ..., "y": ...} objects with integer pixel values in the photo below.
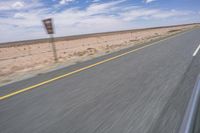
[{"x": 48, "y": 24}]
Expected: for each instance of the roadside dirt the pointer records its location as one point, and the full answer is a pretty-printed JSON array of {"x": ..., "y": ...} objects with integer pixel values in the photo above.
[{"x": 24, "y": 61}]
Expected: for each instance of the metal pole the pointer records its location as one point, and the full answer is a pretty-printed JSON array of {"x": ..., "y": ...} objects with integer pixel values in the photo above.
[
  {"x": 188, "y": 123},
  {"x": 54, "y": 48}
]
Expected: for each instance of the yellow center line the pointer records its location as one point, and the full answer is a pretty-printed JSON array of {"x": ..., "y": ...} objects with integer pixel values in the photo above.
[{"x": 76, "y": 71}]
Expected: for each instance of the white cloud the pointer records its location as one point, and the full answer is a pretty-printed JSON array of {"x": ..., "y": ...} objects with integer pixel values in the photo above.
[
  {"x": 19, "y": 15},
  {"x": 10, "y": 5},
  {"x": 18, "y": 5},
  {"x": 149, "y": 1},
  {"x": 96, "y": 17},
  {"x": 96, "y": 1},
  {"x": 171, "y": 13},
  {"x": 62, "y": 2},
  {"x": 7, "y": 5},
  {"x": 146, "y": 13},
  {"x": 138, "y": 13},
  {"x": 104, "y": 7},
  {"x": 4, "y": 6}
]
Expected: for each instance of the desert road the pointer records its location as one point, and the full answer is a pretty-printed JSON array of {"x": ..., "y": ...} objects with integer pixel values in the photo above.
[{"x": 143, "y": 89}]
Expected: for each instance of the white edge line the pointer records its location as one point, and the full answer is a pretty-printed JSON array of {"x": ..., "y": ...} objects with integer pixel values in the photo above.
[{"x": 196, "y": 51}]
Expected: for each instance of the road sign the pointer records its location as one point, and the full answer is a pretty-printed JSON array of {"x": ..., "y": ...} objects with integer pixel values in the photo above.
[{"x": 48, "y": 25}]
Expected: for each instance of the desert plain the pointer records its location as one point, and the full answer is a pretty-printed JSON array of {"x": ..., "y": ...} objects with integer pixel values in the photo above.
[{"x": 23, "y": 59}]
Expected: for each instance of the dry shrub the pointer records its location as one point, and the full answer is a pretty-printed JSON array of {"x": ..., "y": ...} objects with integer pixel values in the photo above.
[
  {"x": 91, "y": 51},
  {"x": 173, "y": 31},
  {"x": 88, "y": 51}
]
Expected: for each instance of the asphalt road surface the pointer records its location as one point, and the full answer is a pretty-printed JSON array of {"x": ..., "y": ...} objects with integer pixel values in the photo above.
[{"x": 145, "y": 91}]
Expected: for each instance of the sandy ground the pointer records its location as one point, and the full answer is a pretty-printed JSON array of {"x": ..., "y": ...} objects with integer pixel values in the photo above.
[{"x": 24, "y": 61}]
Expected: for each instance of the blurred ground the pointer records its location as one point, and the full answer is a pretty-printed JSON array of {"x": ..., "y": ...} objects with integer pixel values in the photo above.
[{"x": 19, "y": 61}]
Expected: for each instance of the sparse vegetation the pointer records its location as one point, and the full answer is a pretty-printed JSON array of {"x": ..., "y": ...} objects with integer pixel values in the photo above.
[{"x": 71, "y": 51}]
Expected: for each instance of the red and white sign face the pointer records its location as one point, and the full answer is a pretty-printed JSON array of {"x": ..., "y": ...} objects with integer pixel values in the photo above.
[{"x": 48, "y": 25}]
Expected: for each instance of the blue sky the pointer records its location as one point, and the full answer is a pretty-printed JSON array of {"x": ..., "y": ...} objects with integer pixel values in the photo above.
[{"x": 21, "y": 19}]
